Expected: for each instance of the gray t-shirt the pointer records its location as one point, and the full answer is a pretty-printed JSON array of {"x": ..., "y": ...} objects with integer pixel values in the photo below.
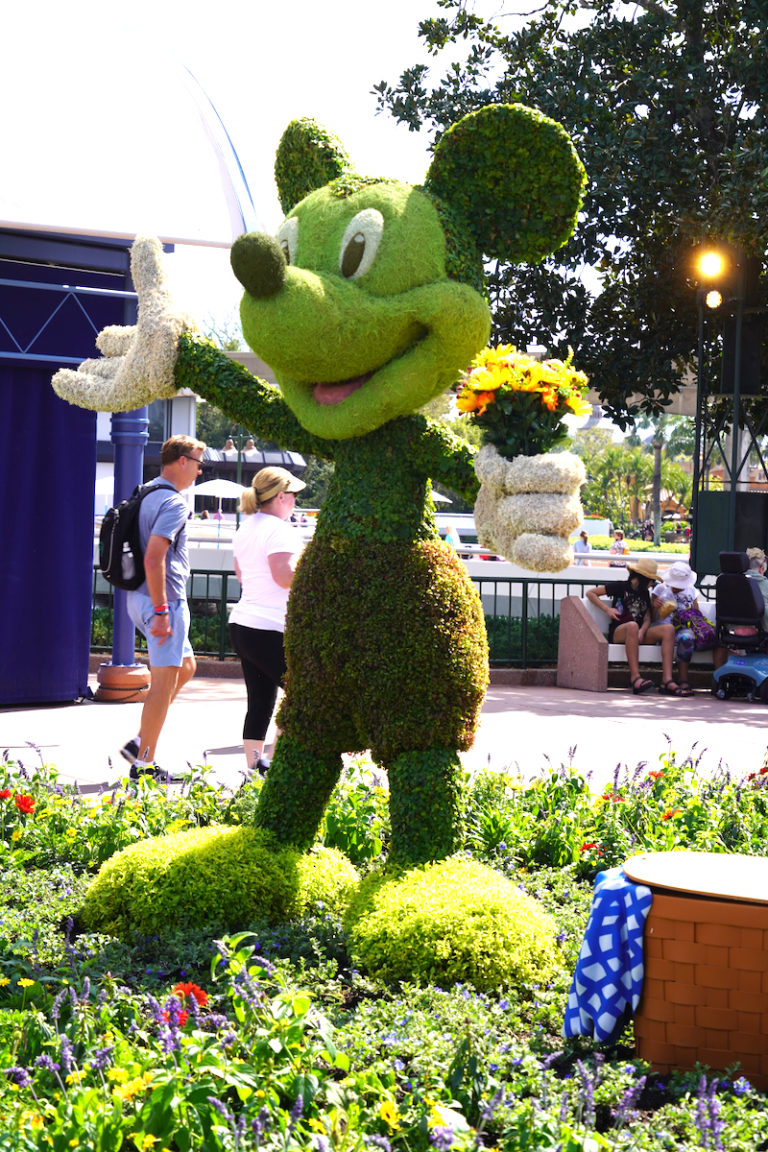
[
  {"x": 165, "y": 514},
  {"x": 762, "y": 583}
]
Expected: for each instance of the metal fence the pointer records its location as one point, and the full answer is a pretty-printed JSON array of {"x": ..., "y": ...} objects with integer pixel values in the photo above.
[{"x": 522, "y": 615}]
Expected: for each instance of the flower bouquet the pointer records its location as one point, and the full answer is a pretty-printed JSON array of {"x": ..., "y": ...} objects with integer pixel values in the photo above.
[{"x": 528, "y": 504}]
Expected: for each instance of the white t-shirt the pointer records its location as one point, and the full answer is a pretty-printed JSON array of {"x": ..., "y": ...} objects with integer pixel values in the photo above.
[
  {"x": 262, "y": 602},
  {"x": 684, "y": 598}
]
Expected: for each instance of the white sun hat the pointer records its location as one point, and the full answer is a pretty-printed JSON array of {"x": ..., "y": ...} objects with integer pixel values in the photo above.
[{"x": 679, "y": 575}]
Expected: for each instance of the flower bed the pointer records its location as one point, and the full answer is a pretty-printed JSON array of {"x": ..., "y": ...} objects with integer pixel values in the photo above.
[{"x": 272, "y": 1039}]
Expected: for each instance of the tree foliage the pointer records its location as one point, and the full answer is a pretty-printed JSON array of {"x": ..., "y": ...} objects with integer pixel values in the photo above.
[
  {"x": 666, "y": 102},
  {"x": 620, "y": 476}
]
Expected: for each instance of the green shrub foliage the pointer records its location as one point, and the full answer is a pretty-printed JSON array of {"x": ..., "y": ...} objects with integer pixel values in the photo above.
[
  {"x": 217, "y": 878},
  {"x": 308, "y": 157},
  {"x": 451, "y": 921}
]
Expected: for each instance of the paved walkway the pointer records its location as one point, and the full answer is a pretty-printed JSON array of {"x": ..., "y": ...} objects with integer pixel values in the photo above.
[{"x": 522, "y": 728}]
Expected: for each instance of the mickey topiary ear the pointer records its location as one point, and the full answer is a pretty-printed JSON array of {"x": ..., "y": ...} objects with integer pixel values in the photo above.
[
  {"x": 308, "y": 157},
  {"x": 514, "y": 177}
]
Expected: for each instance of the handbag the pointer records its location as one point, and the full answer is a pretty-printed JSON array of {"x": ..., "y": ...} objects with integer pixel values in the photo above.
[{"x": 695, "y": 621}]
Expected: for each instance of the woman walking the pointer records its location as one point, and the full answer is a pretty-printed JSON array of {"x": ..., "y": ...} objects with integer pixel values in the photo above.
[{"x": 266, "y": 548}]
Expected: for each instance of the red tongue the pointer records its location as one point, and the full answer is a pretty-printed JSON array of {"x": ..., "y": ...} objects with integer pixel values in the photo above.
[{"x": 335, "y": 393}]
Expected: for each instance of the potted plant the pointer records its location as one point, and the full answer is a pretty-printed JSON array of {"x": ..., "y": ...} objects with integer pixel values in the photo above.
[{"x": 528, "y": 504}]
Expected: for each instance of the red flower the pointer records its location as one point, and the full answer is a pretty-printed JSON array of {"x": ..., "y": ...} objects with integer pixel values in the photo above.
[
  {"x": 183, "y": 1017},
  {"x": 5, "y": 793},
  {"x": 189, "y": 990},
  {"x": 591, "y": 846},
  {"x": 24, "y": 803},
  {"x": 671, "y": 813},
  {"x": 614, "y": 796},
  {"x": 656, "y": 775},
  {"x": 764, "y": 769}
]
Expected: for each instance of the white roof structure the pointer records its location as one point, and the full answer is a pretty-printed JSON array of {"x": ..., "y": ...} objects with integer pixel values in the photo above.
[{"x": 155, "y": 151}]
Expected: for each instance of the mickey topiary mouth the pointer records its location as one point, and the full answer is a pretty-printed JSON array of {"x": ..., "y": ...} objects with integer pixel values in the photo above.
[{"x": 333, "y": 393}]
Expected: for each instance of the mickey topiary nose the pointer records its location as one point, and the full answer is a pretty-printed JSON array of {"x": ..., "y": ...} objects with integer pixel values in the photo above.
[{"x": 258, "y": 262}]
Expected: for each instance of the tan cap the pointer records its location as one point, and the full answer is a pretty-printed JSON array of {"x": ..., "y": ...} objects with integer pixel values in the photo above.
[
  {"x": 644, "y": 567},
  {"x": 270, "y": 482}
]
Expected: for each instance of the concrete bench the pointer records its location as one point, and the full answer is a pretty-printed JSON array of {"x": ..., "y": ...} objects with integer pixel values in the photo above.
[{"x": 583, "y": 653}]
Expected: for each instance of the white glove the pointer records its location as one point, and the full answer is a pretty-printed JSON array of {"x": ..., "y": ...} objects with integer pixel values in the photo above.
[
  {"x": 528, "y": 507},
  {"x": 138, "y": 362}
]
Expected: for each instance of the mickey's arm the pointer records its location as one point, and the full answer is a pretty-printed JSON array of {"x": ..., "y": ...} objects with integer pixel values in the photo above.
[
  {"x": 447, "y": 458},
  {"x": 246, "y": 399}
]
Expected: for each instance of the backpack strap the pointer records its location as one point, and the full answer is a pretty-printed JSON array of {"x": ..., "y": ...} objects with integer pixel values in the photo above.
[{"x": 145, "y": 489}]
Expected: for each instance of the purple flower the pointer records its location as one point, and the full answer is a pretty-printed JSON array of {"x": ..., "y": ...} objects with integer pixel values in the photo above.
[
  {"x": 101, "y": 1058},
  {"x": 18, "y": 1075},
  {"x": 487, "y": 1110},
  {"x": 628, "y": 1101},
  {"x": 441, "y": 1137},
  {"x": 56, "y": 1006},
  {"x": 261, "y": 1124},
  {"x": 45, "y": 1061},
  {"x": 65, "y": 1055},
  {"x": 375, "y": 1141},
  {"x": 220, "y": 1107},
  {"x": 296, "y": 1111}
]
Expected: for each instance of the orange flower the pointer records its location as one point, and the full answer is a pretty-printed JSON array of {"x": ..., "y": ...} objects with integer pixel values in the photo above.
[
  {"x": 190, "y": 990},
  {"x": 671, "y": 813},
  {"x": 483, "y": 400},
  {"x": 549, "y": 398},
  {"x": 24, "y": 803}
]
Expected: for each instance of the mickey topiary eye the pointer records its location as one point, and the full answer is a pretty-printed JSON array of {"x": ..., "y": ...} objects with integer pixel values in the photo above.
[
  {"x": 360, "y": 243},
  {"x": 288, "y": 238}
]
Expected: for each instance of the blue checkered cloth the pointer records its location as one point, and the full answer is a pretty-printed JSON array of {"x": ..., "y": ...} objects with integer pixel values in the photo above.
[{"x": 608, "y": 980}]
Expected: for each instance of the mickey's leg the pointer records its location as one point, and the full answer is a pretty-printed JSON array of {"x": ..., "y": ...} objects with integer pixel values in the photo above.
[
  {"x": 426, "y": 804},
  {"x": 296, "y": 791}
]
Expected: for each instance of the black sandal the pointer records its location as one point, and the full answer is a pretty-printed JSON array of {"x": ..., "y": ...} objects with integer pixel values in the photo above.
[
  {"x": 671, "y": 688},
  {"x": 685, "y": 688},
  {"x": 639, "y": 684}
]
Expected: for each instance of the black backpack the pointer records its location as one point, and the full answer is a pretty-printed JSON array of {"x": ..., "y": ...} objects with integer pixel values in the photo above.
[{"x": 121, "y": 559}]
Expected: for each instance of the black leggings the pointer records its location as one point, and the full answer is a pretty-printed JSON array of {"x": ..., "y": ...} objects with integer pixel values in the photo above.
[{"x": 262, "y": 656}]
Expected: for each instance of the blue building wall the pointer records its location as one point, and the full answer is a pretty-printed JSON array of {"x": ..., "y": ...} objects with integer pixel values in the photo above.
[{"x": 55, "y": 294}]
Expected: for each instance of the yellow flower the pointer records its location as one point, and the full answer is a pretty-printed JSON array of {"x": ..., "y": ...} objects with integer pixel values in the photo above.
[
  {"x": 25, "y": 982},
  {"x": 466, "y": 401},
  {"x": 75, "y": 1077},
  {"x": 16, "y": 835},
  {"x": 4, "y": 981},
  {"x": 578, "y": 405},
  {"x": 33, "y": 1119},
  {"x": 117, "y": 1075},
  {"x": 389, "y": 1114},
  {"x": 133, "y": 1087}
]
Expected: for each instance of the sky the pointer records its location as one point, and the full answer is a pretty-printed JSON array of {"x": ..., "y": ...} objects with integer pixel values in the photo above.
[
  {"x": 103, "y": 129},
  {"x": 105, "y": 132}
]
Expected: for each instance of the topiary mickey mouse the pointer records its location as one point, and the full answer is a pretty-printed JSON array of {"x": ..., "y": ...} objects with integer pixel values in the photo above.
[{"x": 367, "y": 304}]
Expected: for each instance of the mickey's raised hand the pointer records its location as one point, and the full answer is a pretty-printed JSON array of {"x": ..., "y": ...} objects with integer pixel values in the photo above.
[{"x": 138, "y": 363}]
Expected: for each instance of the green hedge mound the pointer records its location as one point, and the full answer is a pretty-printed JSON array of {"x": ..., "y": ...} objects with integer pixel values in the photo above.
[
  {"x": 217, "y": 878},
  {"x": 448, "y": 922}
]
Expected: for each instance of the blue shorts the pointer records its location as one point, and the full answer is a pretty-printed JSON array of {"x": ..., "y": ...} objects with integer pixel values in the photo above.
[{"x": 172, "y": 652}]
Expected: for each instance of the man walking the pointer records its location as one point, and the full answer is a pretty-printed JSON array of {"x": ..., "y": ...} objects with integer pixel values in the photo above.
[{"x": 159, "y": 608}]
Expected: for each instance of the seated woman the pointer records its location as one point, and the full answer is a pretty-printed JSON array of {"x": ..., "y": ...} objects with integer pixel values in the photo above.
[
  {"x": 675, "y": 603},
  {"x": 629, "y": 612}
]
